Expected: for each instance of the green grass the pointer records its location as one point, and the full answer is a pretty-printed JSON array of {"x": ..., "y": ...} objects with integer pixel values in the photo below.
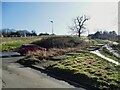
[
  {"x": 116, "y": 47},
  {"x": 89, "y": 69},
  {"x": 109, "y": 54},
  {"x": 10, "y": 43}
]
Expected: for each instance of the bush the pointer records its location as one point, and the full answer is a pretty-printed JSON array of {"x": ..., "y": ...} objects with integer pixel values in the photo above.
[
  {"x": 60, "y": 42},
  {"x": 40, "y": 55}
]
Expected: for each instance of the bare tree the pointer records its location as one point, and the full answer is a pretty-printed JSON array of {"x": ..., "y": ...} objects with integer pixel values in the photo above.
[{"x": 78, "y": 24}]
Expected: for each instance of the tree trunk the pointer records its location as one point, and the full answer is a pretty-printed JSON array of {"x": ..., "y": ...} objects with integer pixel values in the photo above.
[{"x": 79, "y": 33}]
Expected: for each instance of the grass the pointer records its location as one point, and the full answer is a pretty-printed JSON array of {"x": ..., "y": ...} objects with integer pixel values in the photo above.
[
  {"x": 53, "y": 54},
  {"x": 89, "y": 69},
  {"x": 10, "y": 43},
  {"x": 83, "y": 67},
  {"x": 116, "y": 47},
  {"x": 109, "y": 54}
]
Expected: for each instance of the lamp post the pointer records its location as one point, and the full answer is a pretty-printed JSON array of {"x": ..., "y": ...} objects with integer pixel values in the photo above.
[
  {"x": 52, "y": 34},
  {"x": 52, "y": 27}
]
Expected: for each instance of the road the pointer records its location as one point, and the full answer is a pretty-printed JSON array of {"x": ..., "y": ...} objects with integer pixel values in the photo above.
[{"x": 15, "y": 75}]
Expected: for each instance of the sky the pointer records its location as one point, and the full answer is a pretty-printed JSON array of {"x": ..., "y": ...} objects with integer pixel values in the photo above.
[
  {"x": 60, "y": 0},
  {"x": 37, "y": 16}
]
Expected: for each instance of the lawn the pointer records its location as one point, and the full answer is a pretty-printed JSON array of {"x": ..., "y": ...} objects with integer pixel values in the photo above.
[
  {"x": 88, "y": 69},
  {"x": 10, "y": 43}
]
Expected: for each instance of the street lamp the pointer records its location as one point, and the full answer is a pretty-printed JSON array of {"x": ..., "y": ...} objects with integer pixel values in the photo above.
[
  {"x": 52, "y": 26},
  {"x": 52, "y": 34}
]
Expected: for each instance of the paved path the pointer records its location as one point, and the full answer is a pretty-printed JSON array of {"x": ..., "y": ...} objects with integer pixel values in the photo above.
[
  {"x": 15, "y": 75},
  {"x": 8, "y": 54},
  {"x": 101, "y": 55}
]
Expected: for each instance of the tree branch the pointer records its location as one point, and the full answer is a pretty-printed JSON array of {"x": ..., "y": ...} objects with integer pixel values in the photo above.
[{"x": 78, "y": 24}]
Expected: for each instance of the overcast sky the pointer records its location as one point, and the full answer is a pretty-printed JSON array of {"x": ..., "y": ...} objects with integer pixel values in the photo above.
[{"x": 37, "y": 16}]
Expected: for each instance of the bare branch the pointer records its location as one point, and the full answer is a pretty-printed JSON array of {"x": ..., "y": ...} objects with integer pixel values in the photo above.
[{"x": 78, "y": 24}]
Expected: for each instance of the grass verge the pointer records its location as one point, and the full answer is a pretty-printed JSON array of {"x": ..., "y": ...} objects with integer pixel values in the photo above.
[
  {"x": 11, "y": 43},
  {"x": 88, "y": 69}
]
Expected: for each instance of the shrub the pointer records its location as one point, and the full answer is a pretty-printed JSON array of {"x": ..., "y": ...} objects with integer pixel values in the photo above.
[
  {"x": 40, "y": 55},
  {"x": 60, "y": 42}
]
